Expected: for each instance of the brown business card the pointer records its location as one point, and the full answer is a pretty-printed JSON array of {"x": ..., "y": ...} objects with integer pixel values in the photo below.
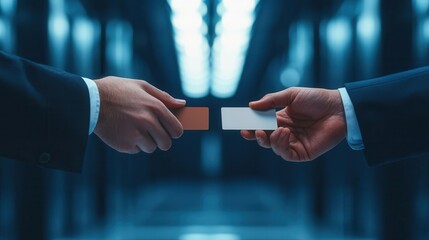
[{"x": 193, "y": 118}]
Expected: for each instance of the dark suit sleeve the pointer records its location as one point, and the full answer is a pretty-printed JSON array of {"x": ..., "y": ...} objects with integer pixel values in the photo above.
[
  {"x": 44, "y": 114},
  {"x": 393, "y": 115}
]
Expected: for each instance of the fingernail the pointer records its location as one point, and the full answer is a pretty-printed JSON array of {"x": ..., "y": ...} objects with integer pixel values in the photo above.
[{"x": 180, "y": 100}]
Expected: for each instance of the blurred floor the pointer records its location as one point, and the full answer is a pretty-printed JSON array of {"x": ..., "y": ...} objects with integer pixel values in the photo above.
[{"x": 234, "y": 210}]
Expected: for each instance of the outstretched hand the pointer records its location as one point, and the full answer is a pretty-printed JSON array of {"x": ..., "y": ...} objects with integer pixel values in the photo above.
[
  {"x": 135, "y": 116},
  {"x": 311, "y": 122}
]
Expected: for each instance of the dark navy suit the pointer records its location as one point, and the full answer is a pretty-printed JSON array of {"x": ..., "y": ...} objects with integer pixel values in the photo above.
[
  {"x": 44, "y": 114},
  {"x": 393, "y": 115}
]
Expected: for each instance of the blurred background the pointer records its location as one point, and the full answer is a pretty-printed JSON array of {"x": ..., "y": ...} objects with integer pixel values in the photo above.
[{"x": 213, "y": 185}]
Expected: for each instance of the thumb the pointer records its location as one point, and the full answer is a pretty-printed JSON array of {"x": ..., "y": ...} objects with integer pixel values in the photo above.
[
  {"x": 164, "y": 97},
  {"x": 273, "y": 100}
]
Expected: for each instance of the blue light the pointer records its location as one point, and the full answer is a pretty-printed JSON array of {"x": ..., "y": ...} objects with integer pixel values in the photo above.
[
  {"x": 338, "y": 34},
  {"x": 237, "y": 21},
  {"x": 58, "y": 30},
  {"x": 368, "y": 24},
  {"x": 368, "y": 27},
  {"x": 426, "y": 28},
  {"x": 8, "y": 7},
  {"x": 230, "y": 47},
  {"x": 193, "y": 88},
  {"x": 119, "y": 49},
  {"x": 247, "y": 6},
  {"x": 189, "y": 21},
  {"x": 300, "y": 52},
  {"x": 85, "y": 32},
  {"x": 205, "y": 236},
  {"x": 211, "y": 154},
  {"x": 186, "y": 5},
  {"x": 192, "y": 46},
  {"x": 2, "y": 29},
  {"x": 421, "y": 6},
  {"x": 290, "y": 77},
  {"x": 58, "y": 26},
  {"x": 222, "y": 72}
]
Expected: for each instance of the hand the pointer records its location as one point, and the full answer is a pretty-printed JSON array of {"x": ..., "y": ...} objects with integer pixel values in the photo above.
[
  {"x": 311, "y": 123},
  {"x": 135, "y": 116}
]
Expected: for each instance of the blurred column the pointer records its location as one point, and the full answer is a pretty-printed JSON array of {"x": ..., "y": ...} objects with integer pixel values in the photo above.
[
  {"x": 121, "y": 174},
  {"x": 211, "y": 149},
  {"x": 368, "y": 32},
  {"x": 58, "y": 36},
  {"x": 337, "y": 35},
  {"x": 119, "y": 48},
  {"x": 7, "y": 197},
  {"x": 30, "y": 190},
  {"x": 397, "y": 182},
  {"x": 421, "y": 32},
  {"x": 193, "y": 52},
  {"x": 7, "y": 30},
  {"x": 230, "y": 46},
  {"x": 421, "y": 55},
  {"x": 58, "y": 33},
  {"x": 119, "y": 61},
  {"x": 335, "y": 46},
  {"x": 366, "y": 64},
  {"x": 298, "y": 70},
  {"x": 86, "y": 38}
]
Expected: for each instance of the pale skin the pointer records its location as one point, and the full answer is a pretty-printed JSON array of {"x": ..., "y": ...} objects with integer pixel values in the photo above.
[
  {"x": 135, "y": 116},
  {"x": 311, "y": 122}
]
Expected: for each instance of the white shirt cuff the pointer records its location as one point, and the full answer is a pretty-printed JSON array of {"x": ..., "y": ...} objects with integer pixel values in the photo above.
[
  {"x": 354, "y": 136},
  {"x": 94, "y": 99}
]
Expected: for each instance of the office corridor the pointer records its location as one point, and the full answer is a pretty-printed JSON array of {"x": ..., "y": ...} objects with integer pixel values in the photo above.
[
  {"x": 231, "y": 210},
  {"x": 214, "y": 185}
]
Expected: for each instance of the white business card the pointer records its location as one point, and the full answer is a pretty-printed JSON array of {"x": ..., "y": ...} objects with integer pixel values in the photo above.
[{"x": 242, "y": 118}]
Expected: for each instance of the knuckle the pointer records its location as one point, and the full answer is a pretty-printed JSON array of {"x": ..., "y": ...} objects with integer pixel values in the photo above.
[
  {"x": 155, "y": 106},
  {"x": 146, "y": 118},
  {"x": 143, "y": 84},
  {"x": 165, "y": 94},
  {"x": 269, "y": 95}
]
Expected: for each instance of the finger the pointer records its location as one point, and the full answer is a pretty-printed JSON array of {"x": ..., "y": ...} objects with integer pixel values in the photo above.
[
  {"x": 146, "y": 143},
  {"x": 170, "y": 123},
  {"x": 273, "y": 100},
  {"x": 164, "y": 97},
  {"x": 248, "y": 135},
  {"x": 160, "y": 136},
  {"x": 263, "y": 139},
  {"x": 133, "y": 150},
  {"x": 280, "y": 143}
]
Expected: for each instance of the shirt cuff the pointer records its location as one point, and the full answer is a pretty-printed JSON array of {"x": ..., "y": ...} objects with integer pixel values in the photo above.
[
  {"x": 354, "y": 136},
  {"x": 94, "y": 99}
]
